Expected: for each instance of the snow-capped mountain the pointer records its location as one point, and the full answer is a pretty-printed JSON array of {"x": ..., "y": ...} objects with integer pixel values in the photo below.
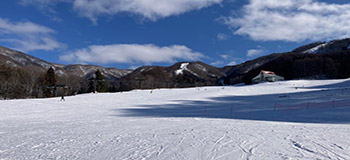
[
  {"x": 182, "y": 74},
  {"x": 325, "y": 47},
  {"x": 78, "y": 77},
  {"x": 87, "y": 71},
  {"x": 18, "y": 59},
  {"x": 14, "y": 58},
  {"x": 320, "y": 60}
]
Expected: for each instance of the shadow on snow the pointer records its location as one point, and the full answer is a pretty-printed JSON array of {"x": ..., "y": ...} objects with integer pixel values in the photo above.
[{"x": 273, "y": 107}]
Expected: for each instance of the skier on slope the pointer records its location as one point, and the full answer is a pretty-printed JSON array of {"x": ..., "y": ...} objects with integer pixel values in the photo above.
[{"x": 62, "y": 98}]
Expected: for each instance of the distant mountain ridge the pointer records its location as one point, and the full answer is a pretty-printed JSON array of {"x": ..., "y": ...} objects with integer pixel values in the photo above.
[
  {"x": 179, "y": 75},
  {"x": 320, "y": 60},
  {"x": 79, "y": 78},
  {"x": 12, "y": 58},
  {"x": 325, "y": 47}
]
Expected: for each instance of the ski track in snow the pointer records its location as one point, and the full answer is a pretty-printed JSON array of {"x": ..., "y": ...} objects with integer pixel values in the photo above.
[{"x": 119, "y": 125}]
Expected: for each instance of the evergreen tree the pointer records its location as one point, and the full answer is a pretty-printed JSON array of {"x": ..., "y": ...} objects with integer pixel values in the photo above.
[
  {"x": 49, "y": 83},
  {"x": 50, "y": 78},
  {"x": 99, "y": 82}
]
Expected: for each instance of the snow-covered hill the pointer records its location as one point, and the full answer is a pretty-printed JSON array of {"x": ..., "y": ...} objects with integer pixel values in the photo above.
[{"x": 285, "y": 120}]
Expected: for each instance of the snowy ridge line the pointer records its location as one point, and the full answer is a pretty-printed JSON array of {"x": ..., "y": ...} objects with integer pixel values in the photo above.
[
  {"x": 315, "y": 49},
  {"x": 309, "y": 105}
]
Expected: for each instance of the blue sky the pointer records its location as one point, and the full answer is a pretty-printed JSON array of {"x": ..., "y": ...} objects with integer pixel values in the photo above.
[{"x": 132, "y": 33}]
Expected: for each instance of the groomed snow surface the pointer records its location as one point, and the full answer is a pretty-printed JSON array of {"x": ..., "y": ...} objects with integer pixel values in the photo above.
[{"x": 282, "y": 120}]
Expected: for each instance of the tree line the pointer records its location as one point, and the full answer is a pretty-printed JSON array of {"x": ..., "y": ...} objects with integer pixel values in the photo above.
[{"x": 27, "y": 82}]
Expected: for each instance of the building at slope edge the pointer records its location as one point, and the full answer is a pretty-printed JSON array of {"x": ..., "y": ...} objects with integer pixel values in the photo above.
[{"x": 267, "y": 76}]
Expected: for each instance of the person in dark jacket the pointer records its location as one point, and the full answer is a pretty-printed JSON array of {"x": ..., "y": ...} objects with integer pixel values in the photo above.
[{"x": 62, "y": 98}]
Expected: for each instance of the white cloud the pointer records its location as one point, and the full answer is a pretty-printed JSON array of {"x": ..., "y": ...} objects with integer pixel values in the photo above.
[
  {"x": 27, "y": 36},
  {"x": 222, "y": 36},
  {"x": 149, "y": 9},
  {"x": 22, "y": 28},
  {"x": 234, "y": 60},
  {"x": 217, "y": 63},
  {"x": 256, "y": 52},
  {"x": 42, "y": 3},
  {"x": 47, "y": 7},
  {"x": 225, "y": 56},
  {"x": 131, "y": 54},
  {"x": 227, "y": 59},
  {"x": 292, "y": 20}
]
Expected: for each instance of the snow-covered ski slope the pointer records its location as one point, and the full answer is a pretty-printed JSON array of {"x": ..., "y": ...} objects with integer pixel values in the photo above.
[{"x": 283, "y": 120}]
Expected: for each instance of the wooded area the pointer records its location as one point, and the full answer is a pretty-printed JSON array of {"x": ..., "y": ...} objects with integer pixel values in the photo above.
[{"x": 27, "y": 83}]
